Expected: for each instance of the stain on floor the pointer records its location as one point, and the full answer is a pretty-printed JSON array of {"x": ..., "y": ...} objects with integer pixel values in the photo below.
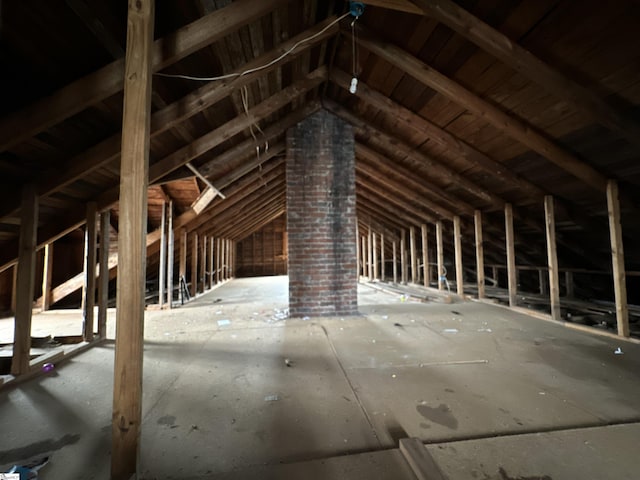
[
  {"x": 38, "y": 448},
  {"x": 441, "y": 415}
]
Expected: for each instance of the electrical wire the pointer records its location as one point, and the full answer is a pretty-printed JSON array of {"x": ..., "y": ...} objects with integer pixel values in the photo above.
[{"x": 262, "y": 67}]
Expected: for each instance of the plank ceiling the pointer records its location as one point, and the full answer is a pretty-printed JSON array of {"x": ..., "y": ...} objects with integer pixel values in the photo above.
[{"x": 445, "y": 124}]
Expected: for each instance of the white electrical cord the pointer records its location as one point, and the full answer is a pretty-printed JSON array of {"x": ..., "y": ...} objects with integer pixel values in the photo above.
[{"x": 256, "y": 69}]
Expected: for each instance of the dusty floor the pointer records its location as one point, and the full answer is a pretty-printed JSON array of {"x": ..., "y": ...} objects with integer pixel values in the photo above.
[{"x": 496, "y": 395}]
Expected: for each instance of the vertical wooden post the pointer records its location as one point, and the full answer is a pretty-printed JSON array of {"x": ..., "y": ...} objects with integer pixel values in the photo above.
[
  {"x": 203, "y": 263},
  {"x": 224, "y": 259},
  {"x": 511, "y": 255},
  {"x": 103, "y": 279},
  {"x": 395, "y": 262},
  {"x": 218, "y": 260},
  {"x": 440, "y": 254},
  {"x": 358, "y": 252},
  {"x": 617, "y": 258},
  {"x": 89, "y": 288},
  {"x": 25, "y": 280},
  {"x": 382, "y": 258},
  {"x": 370, "y": 254},
  {"x": 457, "y": 246},
  {"x": 477, "y": 219},
  {"x": 364, "y": 256},
  {"x": 543, "y": 280},
  {"x": 495, "y": 274},
  {"x": 425, "y": 254},
  {"x": 47, "y": 273},
  {"x": 134, "y": 179},
  {"x": 403, "y": 258},
  {"x": 212, "y": 265},
  {"x": 232, "y": 263},
  {"x": 375, "y": 257},
  {"x": 552, "y": 257},
  {"x": 415, "y": 275},
  {"x": 170, "y": 255},
  {"x": 568, "y": 281},
  {"x": 14, "y": 289},
  {"x": 162, "y": 269},
  {"x": 194, "y": 264},
  {"x": 182, "y": 268}
]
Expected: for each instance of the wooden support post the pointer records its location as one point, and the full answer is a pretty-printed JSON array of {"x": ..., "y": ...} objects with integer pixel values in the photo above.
[
  {"x": 568, "y": 282},
  {"x": 194, "y": 264},
  {"x": 440, "y": 254},
  {"x": 382, "y": 258},
  {"x": 218, "y": 260},
  {"x": 552, "y": 257},
  {"x": 403, "y": 258},
  {"x": 511, "y": 255},
  {"x": 134, "y": 178},
  {"x": 415, "y": 275},
  {"x": 182, "y": 268},
  {"x": 495, "y": 274},
  {"x": 212, "y": 264},
  {"x": 14, "y": 289},
  {"x": 364, "y": 256},
  {"x": 89, "y": 288},
  {"x": 370, "y": 254},
  {"x": 457, "y": 246},
  {"x": 47, "y": 273},
  {"x": 358, "y": 252},
  {"x": 375, "y": 257},
  {"x": 617, "y": 257},
  {"x": 395, "y": 262},
  {"x": 103, "y": 279},
  {"x": 170, "y": 255},
  {"x": 425, "y": 255},
  {"x": 25, "y": 280},
  {"x": 477, "y": 218},
  {"x": 543, "y": 279},
  {"x": 162, "y": 269},
  {"x": 223, "y": 267},
  {"x": 203, "y": 263}
]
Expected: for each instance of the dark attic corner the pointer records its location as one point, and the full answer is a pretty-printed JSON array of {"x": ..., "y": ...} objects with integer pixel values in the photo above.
[{"x": 252, "y": 239}]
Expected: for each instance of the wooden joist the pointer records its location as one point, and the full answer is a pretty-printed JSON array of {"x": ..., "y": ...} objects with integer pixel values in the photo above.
[
  {"x": 617, "y": 258},
  {"x": 552, "y": 258}
]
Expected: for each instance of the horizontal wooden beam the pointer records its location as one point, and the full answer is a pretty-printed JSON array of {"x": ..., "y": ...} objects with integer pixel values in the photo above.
[{"x": 399, "y": 5}]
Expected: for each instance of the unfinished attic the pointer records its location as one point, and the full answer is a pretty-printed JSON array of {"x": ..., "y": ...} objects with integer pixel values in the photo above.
[{"x": 251, "y": 239}]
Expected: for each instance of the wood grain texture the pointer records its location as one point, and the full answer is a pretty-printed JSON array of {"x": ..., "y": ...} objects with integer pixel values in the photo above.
[
  {"x": 457, "y": 244},
  {"x": 89, "y": 287},
  {"x": 512, "y": 279},
  {"x": 103, "y": 278},
  {"x": 552, "y": 257},
  {"x": 617, "y": 258},
  {"x": 477, "y": 218}
]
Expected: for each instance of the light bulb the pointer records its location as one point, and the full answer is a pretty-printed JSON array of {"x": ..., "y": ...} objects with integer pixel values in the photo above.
[{"x": 354, "y": 85}]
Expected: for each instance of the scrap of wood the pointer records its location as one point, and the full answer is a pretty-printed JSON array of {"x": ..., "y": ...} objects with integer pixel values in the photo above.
[{"x": 420, "y": 460}]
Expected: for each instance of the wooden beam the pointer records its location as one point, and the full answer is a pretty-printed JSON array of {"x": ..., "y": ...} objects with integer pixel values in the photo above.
[
  {"x": 163, "y": 256},
  {"x": 127, "y": 389},
  {"x": 370, "y": 255},
  {"x": 382, "y": 259},
  {"x": 420, "y": 460},
  {"x": 509, "y": 124},
  {"x": 552, "y": 258},
  {"x": 403, "y": 258},
  {"x": 440, "y": 255},
  {"x": 395, "y": 261},
  {"x": 415, "y": 275},
  {"x": 183, "y": 263},
  {"x": 89, "y": 290},
  {"x": 206, "y": 181},
  {"x": 194, "y": 264},
  {"x": 426, "y": 269},
  {"x": 568, "y": 281},
  {"x": 25, "y": 281},
  {"x": 218, "y": 260},
  {"x": 511, "y": 255},
  {"x": 211, "y": 261},
  {"x": 170, "y": 256},
  {"x": 109, "y": 80},
  {"x": 479, "y": 253},
  {"x": 617, "y": 258},
  {"x": 103, "y": 280},
  {"x": 364, "y": 256},
  {"x": 203, "y": 263},
  {"x": 457, "y": 244},
  {"x": 47, "y": 272},
  {"x": 399, "y": 5},
  {"x": 375, "y": 256},
  {"x": 532, "y": 67}
]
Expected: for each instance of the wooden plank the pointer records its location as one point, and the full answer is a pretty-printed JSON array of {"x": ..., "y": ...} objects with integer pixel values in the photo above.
[
  {"x": 512, "y": 280},
  {"x": 457, "y": 245},
  {"x": 568, "y": 282},
  {"x": 170, "y": 255},
  {"x": 426, "y": 269},
  {"x": 109, "y": 80},
  {"x": 211, "y": 261},
  {"x": 194, "y": 264},
  {"x": 103, "y": 279},
  {"x": 552, "y": 257},
  {"x": 421, "y": 462},
  {"x": 532, "y": 67},
  {"x": 403, "y": 258},
  {"x": 358, "y": 251},
  {"x": 134, "y": 168},
  {"x": 382, "y": 259},
  {"x": 479, "y": 253},
  {"x": 370, "y": 254},
  {"x": 395, "y": 262},
  {"x": 509, "y": 124},
  {"x": 400, "y": 5},
  {"x": 543, "y": 280},
  {"x": 415, "y": 275},
  {"x": 47, "y": 272},
  {"x": 89, "y": 288},
  {"x": 440, "y": 255},
  {"x": 617, "y": 258},
  {"x": 364, "y": 256},
  {"x": 375, "y": 256},
  {"x": 182, "y": 269},
  {"x": 163, "y": 256},
  {"x": 25, "y": 281},
  {"x": 203, "y": 263}
]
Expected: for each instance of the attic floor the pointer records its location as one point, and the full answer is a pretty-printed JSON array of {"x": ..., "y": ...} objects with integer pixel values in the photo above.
[{"x": 495, "y": 394}]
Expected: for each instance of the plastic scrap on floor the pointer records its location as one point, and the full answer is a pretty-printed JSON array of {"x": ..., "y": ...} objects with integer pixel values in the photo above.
[
  {"x": 279, "y": 315},
  {"x": 450, "y": 330},
  {"x": 271, "y": 398},
  {"x": 48, "y": 367},
  {"x": 485, "y": 330},
  {"x": 224, "y": 323},
  {"x": 618, "y": 351},
  {"x": 28, "y": 471}
]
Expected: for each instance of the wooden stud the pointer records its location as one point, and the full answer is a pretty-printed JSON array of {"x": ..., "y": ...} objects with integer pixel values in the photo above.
[
  {"x": 426, "y": 271},
  {"x": 14, "y": 289},
  {"x": 568, "y": 282},
  {"x": 25, "y": 281},
  {"x": 212, "y": 264},
  {"x": 358, "y": 252},
  {"x": 103, "y": 278},
  {"x": 194, "y": 264},
  {"x": 162, "y": 269},
  {"x": 457, "y": 245},
  {"x": 382, "y": 259},
  {"x": 440, "y": 254},
  {"x": 364, "y": 256},
  {"x": 477, "y": 218},
  {"x": 511, "y": 255},
  {"x": 543, "y": 280},
  {"x": 47, "y": 273},
  {"x": 395, "y": 262},
  {"x": 403, "y": 258},
  {"x": 203, "y": 263},
  {"x": 134, "y": 178},
  {"x": 370, "y": 254},
  {"x": 170, "y": 255},
  {"x": 375, "y": 256},
  {"x": 89, "y": 288},
  {"x": 415, "y": 275},
  {"x": 552, "y": 257},
  {"x": 617, "y": 258},
  {"x": 496, "y": 276},
  {"x": 218, "y": 260},
  {"x": 420, "y": 460},
  {"x": 182, "y": 268}
]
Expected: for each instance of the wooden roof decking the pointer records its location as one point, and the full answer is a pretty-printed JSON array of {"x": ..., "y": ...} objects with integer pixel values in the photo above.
[{"x": 447, "y": 118}]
